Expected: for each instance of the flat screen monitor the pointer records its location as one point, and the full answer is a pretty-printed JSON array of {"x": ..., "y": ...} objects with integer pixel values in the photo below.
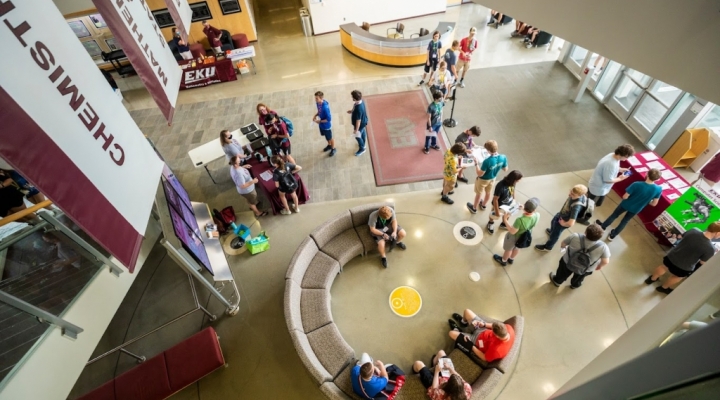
[
  {"x": 179, "y": 189},
  {"x": 192, "y": 243}
]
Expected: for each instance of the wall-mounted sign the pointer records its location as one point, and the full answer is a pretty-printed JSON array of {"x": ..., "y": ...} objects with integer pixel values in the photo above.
[
  {"x": 144, "y": 45},
  {"x": 229, "y": 6},
  {"x": 87, "y": 154},
  {"x": 200, "y": 11}
]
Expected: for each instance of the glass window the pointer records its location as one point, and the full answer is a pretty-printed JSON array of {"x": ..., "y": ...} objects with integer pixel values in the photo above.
[
  {"x": 711, "y": 119},
  {"x": 627, "y": 93},
  {"x": 649, "y": 112},
  {"x": 639, "y": 77},
  {"x": 671, "y": 119},
  {"x": 667, "y": 94},
  {"x": 578, "y": 54},
  {"x": 611, "y": 71}
]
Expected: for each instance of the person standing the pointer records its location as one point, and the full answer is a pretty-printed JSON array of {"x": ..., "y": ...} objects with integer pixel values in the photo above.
[
  {"x": 486, "y": 174},
  {"x": 692, "y": 251},
  {"x": 231, "y": 146},
  {"x": 467, "y": 46},
  {"x": 359, "y": 120},
  {"x": 451, "y": 171},
  {"x": 286, "y": 183},
  {"x": 467, "y": 138},
  {"x": 567, "y": 216},
  {"x": 450, "y": 58},
  {"x": 525, "y": 223},
  {"x": 278, "y": 133},
  {"x": 245, "y": 184},
  {"x": 433, "y": 55},
  {"x": 504, "y": 195},
  {"x": 636, "y": 197},
  {"x": 263, "y": 111},
  {"x": 213, "y": 36},
  {"x": 434, "y": 116},
  {"x": 324, "y": 120},
  {"x": 182, "y": 47},
  {"x": 606, "y": 174},
  {"x": 584, "y": 255}
]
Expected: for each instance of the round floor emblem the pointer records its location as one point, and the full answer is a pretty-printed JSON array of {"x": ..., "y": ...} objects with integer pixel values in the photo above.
[
  {"x": 405, "y": 301},
  {"x": 468, "y": 233}
]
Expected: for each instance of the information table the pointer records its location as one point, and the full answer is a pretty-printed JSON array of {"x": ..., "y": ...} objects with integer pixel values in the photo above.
[
  {"x": 206, "y": 74},
  {"x": 205, "y": 154},
  {"x": 672, "y": 183},
  {"x": 268, "y": 186}
]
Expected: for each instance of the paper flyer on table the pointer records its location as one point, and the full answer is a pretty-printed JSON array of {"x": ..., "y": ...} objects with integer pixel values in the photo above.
[
  {"x": 649, "y": 156},
  {"x": 673, "y": 196},
  {"x": 266, "y": 175},
  {"x": 665, "y": 186},
  {"x": 634, "y": 161},
  {"x": 656, "y": 164},
  {"x": 677, "y": 183},
  {"x": 668, "y": 175},
  {"x": 641, "y": 169}
]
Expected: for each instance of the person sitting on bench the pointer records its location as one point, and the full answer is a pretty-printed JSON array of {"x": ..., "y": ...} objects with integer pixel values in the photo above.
[
  {"x": 452, "y": 387},
  {"x": 488, "y": 341},
  {"x": 384, "y": 228},
  {"x": 375, "y": 382}
]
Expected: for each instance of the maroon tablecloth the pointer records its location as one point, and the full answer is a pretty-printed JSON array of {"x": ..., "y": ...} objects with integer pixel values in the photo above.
[
  {"x": 649, "y": 214},
  {"x": 270, "y": 190},
  {"x": 206, "y": 74}
]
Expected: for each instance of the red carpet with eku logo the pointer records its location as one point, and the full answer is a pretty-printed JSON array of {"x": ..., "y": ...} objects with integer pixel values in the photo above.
[{"x": 396, "y": 135}]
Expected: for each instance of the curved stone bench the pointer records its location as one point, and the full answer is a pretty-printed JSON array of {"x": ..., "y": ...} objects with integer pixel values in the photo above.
[{"x": 322, "y": 349}]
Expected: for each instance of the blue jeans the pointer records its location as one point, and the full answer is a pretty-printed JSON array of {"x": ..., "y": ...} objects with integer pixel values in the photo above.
[
  {"x": 555, "y": 231},
  {"x": 618, "y": 211},
  {"x": 362, "y": 139},
  {"x": 430, "y": 141}
]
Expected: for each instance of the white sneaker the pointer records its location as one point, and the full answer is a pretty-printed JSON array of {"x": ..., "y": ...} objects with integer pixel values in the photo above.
[
  {"x": 295, "y": 208},
  {"x": 285, "y": 211}
]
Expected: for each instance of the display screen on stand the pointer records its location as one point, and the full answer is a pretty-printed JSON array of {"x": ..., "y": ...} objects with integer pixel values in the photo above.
[
  {"x": 179, "y": 189},
  {"x": 192, "y": 242}
]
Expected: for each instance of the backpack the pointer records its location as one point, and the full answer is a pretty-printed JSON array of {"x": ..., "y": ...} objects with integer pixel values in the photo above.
[
  {"x": 288, "y": 124},
  {"x": 288, "y": 183},
  {"x": 587, "y": 210},
  {"x": 580, "y": 262}
]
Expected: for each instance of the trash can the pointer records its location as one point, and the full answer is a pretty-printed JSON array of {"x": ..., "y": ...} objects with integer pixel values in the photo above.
[{"x": 305, "y": 20}]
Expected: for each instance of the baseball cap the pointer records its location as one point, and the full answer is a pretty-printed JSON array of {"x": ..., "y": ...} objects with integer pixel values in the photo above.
[{"x": 531, "y": 205}]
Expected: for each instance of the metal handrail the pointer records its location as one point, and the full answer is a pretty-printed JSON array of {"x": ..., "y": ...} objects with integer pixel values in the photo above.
[
  {"x": 68, "y": 330},
  {"x": 23, "y": 213}
]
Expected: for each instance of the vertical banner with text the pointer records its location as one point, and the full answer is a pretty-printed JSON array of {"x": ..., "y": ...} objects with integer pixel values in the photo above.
[
  {"x": 182, "y": 16},
  {"x": 65, "y": 131},
  {"x": 134, "y": 26}
]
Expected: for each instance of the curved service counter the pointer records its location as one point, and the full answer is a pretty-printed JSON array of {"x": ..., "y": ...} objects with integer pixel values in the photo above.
[{"x": 381, "y": 50}]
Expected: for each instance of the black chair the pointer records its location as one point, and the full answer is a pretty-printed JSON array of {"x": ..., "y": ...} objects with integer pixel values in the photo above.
[
  {"x": 542, "y": 39},
  {"x": 399, "y": 32},
  {"x": 506, "y": 20},
  {"x": 226, "y": 41},
  {"x": 175, "y": 51},
  {"x": 423, "y": 32}
]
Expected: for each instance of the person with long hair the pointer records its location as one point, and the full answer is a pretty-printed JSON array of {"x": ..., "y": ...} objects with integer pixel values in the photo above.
[
  {"x": 504, "y": 195},
  {"x": 440, "y": 387},
  {"x": 262, "y": 111},
  {"x": 245, "y": 184},
  {"x": 283, "y": 168},
  {"x": 231, "y": 146}
]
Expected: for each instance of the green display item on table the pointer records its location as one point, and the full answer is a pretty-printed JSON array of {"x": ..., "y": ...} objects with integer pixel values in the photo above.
[
  {"x": 694, "y": 209},
  {"x": 258, "y": 244}
]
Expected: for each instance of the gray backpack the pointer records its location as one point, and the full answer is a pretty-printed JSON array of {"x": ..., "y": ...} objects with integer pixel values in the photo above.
[{"x": 580, "y": 261}]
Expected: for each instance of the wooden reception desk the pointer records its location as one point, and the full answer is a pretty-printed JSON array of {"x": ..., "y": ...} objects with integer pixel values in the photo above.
[{"x": 393, "y": 52}]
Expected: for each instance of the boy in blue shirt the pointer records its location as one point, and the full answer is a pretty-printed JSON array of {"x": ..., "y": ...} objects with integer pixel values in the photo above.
[
  {"x": 323, "y": 118},
  {"x": 368, "y": 381},
  {"x": 433, "y": 55},
  {"x": 434, "y": 114},
  {"x": 637, "y": 196},
  {"x": 487, "y": 171}
]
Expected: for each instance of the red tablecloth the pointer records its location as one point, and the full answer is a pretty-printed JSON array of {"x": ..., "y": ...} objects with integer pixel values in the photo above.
[
  {"x": 206, "y": 74},
  {"x": 270, "y": 190},
  {"x": 639, "y": 173}
]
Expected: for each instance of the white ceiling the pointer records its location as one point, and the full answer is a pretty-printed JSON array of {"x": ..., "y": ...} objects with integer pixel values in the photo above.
[{"x": 71, "y": 6}]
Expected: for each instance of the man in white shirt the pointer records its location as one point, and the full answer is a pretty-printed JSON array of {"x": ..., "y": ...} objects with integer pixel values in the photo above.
[{"x": 606, "y": 174}]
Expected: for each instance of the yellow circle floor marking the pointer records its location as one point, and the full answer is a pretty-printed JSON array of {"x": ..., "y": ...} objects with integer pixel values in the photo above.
[{"x": 405, "y": 301}]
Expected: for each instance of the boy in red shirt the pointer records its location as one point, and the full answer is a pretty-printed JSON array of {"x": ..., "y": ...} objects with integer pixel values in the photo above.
[
  {"x": 467, "y": 46},
  {"x": 488, "y": 341}
]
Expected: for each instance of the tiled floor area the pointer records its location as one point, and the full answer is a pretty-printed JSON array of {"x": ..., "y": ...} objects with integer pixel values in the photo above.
[{"x": 525, "y": 107}]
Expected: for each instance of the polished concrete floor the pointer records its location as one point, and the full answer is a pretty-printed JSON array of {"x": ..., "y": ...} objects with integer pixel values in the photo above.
[{"x": 565, "y": 329}]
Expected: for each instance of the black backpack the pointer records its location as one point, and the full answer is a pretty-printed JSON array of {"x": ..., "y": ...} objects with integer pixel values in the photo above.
[
  {"x": 580, "y": 262},
  {"x": 288, "y": 183}
]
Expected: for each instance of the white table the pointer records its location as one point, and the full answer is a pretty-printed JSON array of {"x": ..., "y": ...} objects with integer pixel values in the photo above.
[
  {"x": 213, "y": 248},
  {"x": 211, "y": 151},
  {"x": 241, "y": 54}
]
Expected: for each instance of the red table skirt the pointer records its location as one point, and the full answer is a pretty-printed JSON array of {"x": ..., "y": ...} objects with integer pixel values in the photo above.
[
  {"x": 269, "y": 188},
  {"x": 207, "y": 74}
]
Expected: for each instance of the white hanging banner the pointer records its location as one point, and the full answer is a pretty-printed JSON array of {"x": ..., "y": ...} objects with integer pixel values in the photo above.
[
  {"x": 62, "y": 128},
  {"x": 182, "y": 16},
  {"x": 134, "y": 26}
]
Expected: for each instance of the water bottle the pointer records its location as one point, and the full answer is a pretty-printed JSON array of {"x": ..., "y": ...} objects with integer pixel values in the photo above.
[{"x": 268, "y": 151}]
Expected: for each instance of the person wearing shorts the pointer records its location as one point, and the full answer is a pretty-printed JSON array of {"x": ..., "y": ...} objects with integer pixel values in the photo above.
[
  {"x": 487, "y": 171},
  {"x": 384, "y": 228},
  {"x": 467, "y": 46},
  {"x": 526, "y": 222},
  {"x": 453, "y": 386},
  {"x": 245, "y": 184},
  {"x": 487, "y": 341},
  {"x": 451, "y": 171},
  {"x": 433, "y": 52},
  {"x": 282, "y": 168},
  {"x": 278, "y": 133},
  {"x": 323, "y": 118},
  {"x": 692, "y": 251}
]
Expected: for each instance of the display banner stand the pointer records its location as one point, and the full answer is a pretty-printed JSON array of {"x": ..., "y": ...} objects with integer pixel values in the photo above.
[{"x": 698, "y": 207}]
